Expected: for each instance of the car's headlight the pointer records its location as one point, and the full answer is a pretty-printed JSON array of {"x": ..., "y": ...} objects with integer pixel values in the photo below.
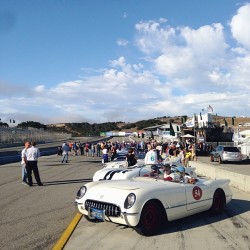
[
  {"x": 81, "y": 192},
  {"x": 130, "y": 201}
]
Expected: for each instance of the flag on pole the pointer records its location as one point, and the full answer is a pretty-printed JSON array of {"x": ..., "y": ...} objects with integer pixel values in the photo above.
[
  {"x": 225, "y": 122},
  {"x": 233, "y": 120},
  {"x": 172, "y": 130},
  {"x": 210, "y": 109},
  {"x": 190, "y": 122}
]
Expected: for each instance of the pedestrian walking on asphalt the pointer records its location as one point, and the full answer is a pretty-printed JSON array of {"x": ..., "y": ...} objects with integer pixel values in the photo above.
[
  {"x": 92, "y": 149},
  {"x": 98, "y": 150},
  {"x": 105, "y": 156},
  {"x": 81, "y": 148},
  {"x": 65, "y": 152},
  {"x": 75, "y": 148},
  {"x": 23, "y": 163},
  {"x": 87, "y": 148},
  {"x": 32, "y": 155}
]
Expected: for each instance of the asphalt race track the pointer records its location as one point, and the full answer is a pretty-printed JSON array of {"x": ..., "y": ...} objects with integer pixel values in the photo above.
[
  {"x": 13, "y": 154},
  {"x": 36, "y": 217}
]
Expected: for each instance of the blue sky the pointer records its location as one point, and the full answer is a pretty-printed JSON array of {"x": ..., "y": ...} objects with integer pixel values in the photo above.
[{"x": 106, "y": 61}]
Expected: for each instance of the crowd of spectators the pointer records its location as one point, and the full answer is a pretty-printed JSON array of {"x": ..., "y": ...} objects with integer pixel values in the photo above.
[{"x": 184, "y": 151}]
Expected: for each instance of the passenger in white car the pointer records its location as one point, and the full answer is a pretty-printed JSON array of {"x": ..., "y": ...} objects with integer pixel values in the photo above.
[
  {"x": 177, "y": 176},
  {"x": 185, "y": 178}
]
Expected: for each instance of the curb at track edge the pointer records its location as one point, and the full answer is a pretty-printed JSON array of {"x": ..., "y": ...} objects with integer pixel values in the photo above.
[{"x": 60, "y": 244}]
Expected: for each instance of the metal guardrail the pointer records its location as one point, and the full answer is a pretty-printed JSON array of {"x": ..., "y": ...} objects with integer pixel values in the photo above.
[{"x": 17, "y": 157}]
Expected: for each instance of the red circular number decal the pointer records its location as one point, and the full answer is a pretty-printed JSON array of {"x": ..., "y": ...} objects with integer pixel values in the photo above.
[{"x": 197, "y": 193}]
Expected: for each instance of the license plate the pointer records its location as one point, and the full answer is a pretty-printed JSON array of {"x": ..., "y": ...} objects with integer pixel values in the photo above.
[{"x": 97, "y": 214}]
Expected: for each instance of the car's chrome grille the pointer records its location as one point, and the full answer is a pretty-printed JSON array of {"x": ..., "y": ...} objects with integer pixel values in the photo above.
[{"x": 110, "y": 209}]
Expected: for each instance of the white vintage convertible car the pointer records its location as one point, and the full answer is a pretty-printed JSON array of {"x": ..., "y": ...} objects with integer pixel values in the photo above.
[
  {"x": 145, "y": 203},
  {"x": 134, "y": 171},
  {"x": 120, "y": 160}
]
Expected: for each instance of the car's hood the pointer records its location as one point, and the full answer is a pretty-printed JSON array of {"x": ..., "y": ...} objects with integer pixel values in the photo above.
[
  {"x": 132, "y": 184},
  {"x": 124, "y": 185},
  {"x": 116, "y": 191}
]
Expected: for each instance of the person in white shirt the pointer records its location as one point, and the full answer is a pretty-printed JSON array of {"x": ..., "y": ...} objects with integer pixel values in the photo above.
[
  {"x": 23, "y": 162},
  {"x": 32, "y": 155},
  {"x": 151, "y": 156},
  {"x": 65, "y": 152},
  {"x": 105, "y": 156}
]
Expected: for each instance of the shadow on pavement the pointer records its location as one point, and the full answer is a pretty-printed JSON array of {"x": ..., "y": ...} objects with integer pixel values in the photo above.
[
  {"x": 51, "y": 183},
  {"x": 235, "y": 207}
]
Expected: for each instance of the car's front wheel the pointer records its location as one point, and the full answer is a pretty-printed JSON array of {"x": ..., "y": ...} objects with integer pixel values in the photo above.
[{"x": 152, "y": 219}]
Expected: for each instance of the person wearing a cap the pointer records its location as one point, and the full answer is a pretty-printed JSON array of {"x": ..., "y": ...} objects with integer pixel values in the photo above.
[{"x": 185, "y": 178}]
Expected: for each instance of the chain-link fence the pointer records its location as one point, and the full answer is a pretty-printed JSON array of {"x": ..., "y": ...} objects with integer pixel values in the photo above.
[{"x": 15, "y": 135}]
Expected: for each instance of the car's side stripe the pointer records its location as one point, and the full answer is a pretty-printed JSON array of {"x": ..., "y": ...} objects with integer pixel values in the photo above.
[
  {"x": 105, "y": 176},
  {"x": 109, "y": 175},
  {"x": 112, "y": 174},
  {"x": 186, "y": 204}
]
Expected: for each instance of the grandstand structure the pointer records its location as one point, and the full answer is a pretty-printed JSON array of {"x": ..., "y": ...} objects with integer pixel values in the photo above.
[{"x": 18, "y": 135}]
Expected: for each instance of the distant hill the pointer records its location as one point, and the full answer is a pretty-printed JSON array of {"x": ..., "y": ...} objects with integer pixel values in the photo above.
[{"x": 86, "y": 129}]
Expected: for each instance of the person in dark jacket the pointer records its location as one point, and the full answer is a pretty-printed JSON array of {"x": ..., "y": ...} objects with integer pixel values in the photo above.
[{"x": 130, "y": 158}]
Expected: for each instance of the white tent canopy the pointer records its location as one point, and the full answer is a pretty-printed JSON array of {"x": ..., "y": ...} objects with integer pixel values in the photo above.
[
  {"x": 187, "y": 136},
  {"x": 245, "y": 132}
]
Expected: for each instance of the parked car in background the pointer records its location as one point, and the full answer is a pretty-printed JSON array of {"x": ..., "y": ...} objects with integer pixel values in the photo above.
[{"x": 225, "y": 153}]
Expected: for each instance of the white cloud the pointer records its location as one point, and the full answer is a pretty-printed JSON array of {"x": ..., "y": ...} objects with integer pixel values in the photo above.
[
  {"x": 152, "y": 38},
  {"x": 122, "y": 42},
  {"x": 207, "y": 41},
  {"x": 240, "y": 26},
  {"x": 181, "y": 71},
  {"x": 39, "y": 88},
  {"x": 177, "y": 63}
]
